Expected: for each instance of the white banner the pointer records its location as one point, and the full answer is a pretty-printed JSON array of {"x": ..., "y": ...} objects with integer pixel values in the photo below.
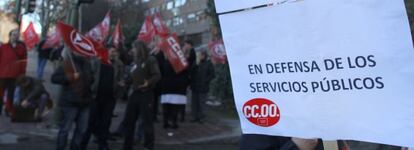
[
  {"x": 331, "y": 69},
  {"x": 230, "y": 5}
]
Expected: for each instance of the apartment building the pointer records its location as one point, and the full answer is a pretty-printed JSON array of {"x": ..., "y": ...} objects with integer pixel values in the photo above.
[{"x": 187, "y": 18}]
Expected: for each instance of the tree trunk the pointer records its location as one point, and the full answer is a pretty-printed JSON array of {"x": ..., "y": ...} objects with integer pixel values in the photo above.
[{"x": 45, "y": 18}]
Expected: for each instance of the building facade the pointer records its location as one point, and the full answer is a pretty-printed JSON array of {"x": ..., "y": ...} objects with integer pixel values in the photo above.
[{"x": 187, "y": 18}]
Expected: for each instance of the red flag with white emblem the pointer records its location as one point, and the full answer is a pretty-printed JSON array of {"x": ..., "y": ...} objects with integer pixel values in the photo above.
[
  {"x": 82, "y": 45},
  {"x": 160, "y": 28},
  {"x": 30, "y": 36},
  {"x": 117, "y": 36},
  {"x": 52, "y": 40},
  {"x": 147, "y": 31},
  {"x": 171, "y": 48},
  {"x": 101, "y": 31},
  {"x": 217, "y": 51}
]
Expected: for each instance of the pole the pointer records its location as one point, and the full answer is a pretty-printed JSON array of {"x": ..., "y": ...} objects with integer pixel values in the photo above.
[
  {"x": 80, "y": 18},
  {"x": 74, "y": 13},
  {"x": 18, "y": 12},
  {"x": 71, "y": 61},
  {"x": 73, "y": 19}
]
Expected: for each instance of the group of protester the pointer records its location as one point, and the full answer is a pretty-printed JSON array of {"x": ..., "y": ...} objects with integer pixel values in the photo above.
[{"x": 90, "y": 89}]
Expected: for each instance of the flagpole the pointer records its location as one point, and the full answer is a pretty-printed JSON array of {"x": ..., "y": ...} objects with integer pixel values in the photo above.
[
  {"x": 79, "y": 9},
  {"x": 71, "y": 60},
  {"x": 18, "y": 13},
  {"x": 73, "y": 19}
]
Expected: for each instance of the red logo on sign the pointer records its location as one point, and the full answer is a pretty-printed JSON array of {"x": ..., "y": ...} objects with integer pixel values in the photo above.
[{"x": 261, "y": 112}]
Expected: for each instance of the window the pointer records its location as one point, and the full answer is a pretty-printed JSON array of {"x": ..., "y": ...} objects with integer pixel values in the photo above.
[
  {"x": 177, "y": 21},
  {"x": 168, "y": 23},
  {"x": 191, "y": 17},
  {"x": 200, "y": 15},
  {"x": 175, "y": 11},
  {"x": 156, "y": 9},
  {"x": 170, "y": 5},
  {"x": 144, "y": 1},
  {"x": 179, "y": 3},
  {"x": 151, "y": 11},
  {"x": 147, "y": 12}
]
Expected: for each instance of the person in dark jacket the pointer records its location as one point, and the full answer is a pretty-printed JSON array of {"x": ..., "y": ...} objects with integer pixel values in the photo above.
[
  {"x": 108, "y": 78},
  {"x": 200, "y": 83},
  {"x": 173, "y": 89},
  {"x": 31, "y": 93},
  {"x": 145, "y": 75},
  {"x": 191, "y": 56},
  {"x": 125, "y": 90},
  {"x": 75, "y": 77},
  {"x": 43, "y": 56},
  {"x": 157, "y": 91}
]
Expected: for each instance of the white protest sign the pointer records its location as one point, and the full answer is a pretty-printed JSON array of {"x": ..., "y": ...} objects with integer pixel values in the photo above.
[
  {"x": 330, "y": 69},
  {"x": 230, "y": 5}
]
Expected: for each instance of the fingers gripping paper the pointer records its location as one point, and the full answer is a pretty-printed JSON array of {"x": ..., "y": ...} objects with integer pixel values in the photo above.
[{"x": 331, "y": 69}]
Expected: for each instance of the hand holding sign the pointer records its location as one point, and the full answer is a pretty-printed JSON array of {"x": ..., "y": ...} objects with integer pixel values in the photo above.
[{"x": 174, "y": 53}]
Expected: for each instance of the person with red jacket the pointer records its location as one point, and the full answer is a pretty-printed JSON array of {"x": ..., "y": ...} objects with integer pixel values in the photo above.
[{"x": 13, "y": 56}]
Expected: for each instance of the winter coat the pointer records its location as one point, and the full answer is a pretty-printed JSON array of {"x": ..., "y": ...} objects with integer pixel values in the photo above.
[
  {"x": 171, "y": 82},
  {"x": 204, "y": 73},
  {"x": 13, "y": 61},
  {"x": 33, "y": 91},
  {"x": 145, "y": 70},
  {"x": 43, "y": 53},
  {"x": 118, "y": 75},
  {"x": 75, "y": 93}
]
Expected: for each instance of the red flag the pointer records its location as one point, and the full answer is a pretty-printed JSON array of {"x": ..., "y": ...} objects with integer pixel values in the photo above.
[
  {"x": 102, "y": 53},
  {"x": 147, "y": 31},
  {"x": 117, "y": 36},
  {"x": 218, "y": 51},
  {"x": 101, "y": 31},
  {"x": 160, "y": 28},
  {"x": 175, "y": 55},
  {"x": 30, "y": 36},
  {"x": 82, "y": 45},
  {"x": 52, "y": 41}
]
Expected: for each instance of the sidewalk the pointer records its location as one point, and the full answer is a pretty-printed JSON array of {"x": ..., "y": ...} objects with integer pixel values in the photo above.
[
  {"x": 212, "y": 130},
  {"x": 215, "y": 127}
]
